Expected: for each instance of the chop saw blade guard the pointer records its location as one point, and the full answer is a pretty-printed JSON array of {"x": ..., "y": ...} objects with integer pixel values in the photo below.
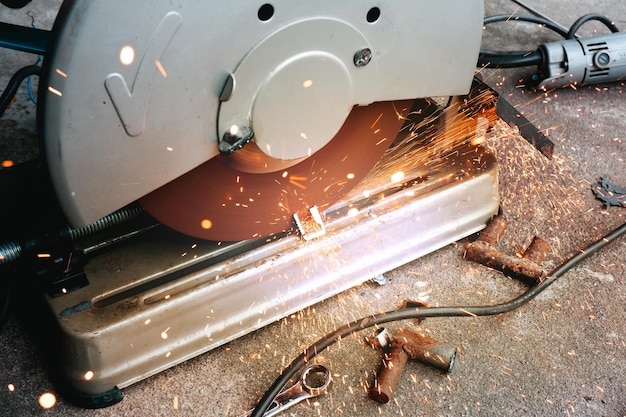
[{"x": 136, "y": 97}]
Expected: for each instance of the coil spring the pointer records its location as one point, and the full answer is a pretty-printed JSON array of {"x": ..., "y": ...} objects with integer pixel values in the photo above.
[
  {"x": 12, "y": 251},
  {"x": 9, "y": 252},
  {"x": 111, "y": 220}
]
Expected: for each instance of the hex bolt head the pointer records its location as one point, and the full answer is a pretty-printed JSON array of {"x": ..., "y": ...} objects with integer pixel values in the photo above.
[{"x": 362, "y": 57}]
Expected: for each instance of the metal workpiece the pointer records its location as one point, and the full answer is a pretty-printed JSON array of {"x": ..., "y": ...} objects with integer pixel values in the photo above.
[
  {"x": 381, "y": 339},
  {"x": 526, "y": 268},
  {"x": 406, "y": 345},
  {"x": 310, "y": 223},
  {"x": 389, "y": 375},
  {"x": 492, "y": 234},
  {"x": 537, "y": 250}
]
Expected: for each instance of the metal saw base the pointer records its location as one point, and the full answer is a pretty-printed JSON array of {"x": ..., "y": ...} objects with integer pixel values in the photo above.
[{"x": 166, "y": 298}]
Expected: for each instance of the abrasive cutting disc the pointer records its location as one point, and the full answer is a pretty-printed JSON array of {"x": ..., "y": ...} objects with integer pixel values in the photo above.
[{"x": 218, "y": 202}]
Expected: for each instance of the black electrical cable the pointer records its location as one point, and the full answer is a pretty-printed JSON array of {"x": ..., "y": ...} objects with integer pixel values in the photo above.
[
  {"x": 514, "y": 59},
  {"x": 535, "y": 12},
  {"x": 14, "y": 83},
  {"x": 525, "y": 18},
  {"x": 587, "y": 18},
  {"x": 496, "y": 59},
  {"x": 412, "y": 313},
  {"x": 5, "y": 302}
]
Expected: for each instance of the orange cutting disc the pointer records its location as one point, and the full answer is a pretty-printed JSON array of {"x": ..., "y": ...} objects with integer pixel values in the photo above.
[{"x": 218, "y": 202}]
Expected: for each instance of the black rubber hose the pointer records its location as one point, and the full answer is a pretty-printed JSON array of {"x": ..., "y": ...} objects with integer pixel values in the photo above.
[
  {"x": 14, "y": 83},
  {"x": 412, "y": 313}
]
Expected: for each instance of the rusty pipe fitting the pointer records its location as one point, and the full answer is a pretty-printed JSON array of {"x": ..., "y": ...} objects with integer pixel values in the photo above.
[
  {"x": 537, "y": 250},
  {"x": 389, "y": 374},
  {"x": 526, "y": 269},
  {"x": 492, "y": 234},
  {"x": 404, "y": 346}
]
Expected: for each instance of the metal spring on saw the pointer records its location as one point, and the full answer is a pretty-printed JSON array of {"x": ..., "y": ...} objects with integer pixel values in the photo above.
[
  {"x": 9, "y": 252},
  {"x": 111, "y": 220},
  {"x": 12, "y": 251}
]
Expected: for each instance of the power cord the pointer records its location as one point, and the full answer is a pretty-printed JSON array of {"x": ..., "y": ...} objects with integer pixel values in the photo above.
[
  {"x": 14, "y": 83},
  {"x": 5, "y": 302}
]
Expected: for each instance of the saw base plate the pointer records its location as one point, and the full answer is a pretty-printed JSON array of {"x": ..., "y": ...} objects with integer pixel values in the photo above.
[{"x": 166, "y": 298}]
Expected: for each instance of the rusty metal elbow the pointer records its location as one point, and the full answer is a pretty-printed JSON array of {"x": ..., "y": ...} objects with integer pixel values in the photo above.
[{"x": 407, "y": 345}]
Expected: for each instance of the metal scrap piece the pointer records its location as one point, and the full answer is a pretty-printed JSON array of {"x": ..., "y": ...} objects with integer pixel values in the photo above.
[
  {"x": 609, "y": 193},
  {"x": 527, "y": 130},
  {"x": 406, "y": 345},
  {"x": 526, "y": 269}
]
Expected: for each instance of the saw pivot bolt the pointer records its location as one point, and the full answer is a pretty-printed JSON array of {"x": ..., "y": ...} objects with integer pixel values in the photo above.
[
  {"x": 399, "y": 348},
  {"x": 526, "y": 269},
  {"x": 235, "y": 138}
]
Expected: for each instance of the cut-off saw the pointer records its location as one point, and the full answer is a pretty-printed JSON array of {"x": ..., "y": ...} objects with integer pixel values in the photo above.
[{"x": 214, "y": 167}]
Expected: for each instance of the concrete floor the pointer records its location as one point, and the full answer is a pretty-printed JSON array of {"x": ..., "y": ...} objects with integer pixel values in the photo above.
[{"x": 563, "y": 354}]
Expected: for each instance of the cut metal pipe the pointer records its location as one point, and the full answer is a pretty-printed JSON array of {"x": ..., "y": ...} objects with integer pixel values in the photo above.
[
  {"x": 537, "y": 250},
  {"x": 407, "y": 345},
  {"x": 389, "y": 374},
  {"x": 526, "y": 269},
  {"x": 492, "y": 234}
]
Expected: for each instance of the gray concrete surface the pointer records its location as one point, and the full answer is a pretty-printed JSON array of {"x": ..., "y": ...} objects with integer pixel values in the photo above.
[{"x": 563, "y": 354}]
